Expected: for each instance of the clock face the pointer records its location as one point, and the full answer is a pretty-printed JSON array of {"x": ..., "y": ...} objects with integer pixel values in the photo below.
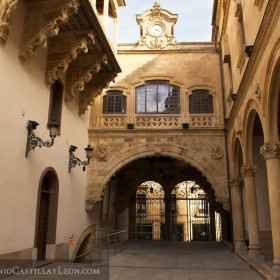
[{"x": 156, "y": 29}]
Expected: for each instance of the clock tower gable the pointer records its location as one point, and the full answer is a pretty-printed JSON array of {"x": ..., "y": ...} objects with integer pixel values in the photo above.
[{"x": 156, "y": 28}]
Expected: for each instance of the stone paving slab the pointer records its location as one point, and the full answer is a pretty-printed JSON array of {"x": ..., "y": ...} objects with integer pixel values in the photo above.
[{"x": 157, "y": 261}]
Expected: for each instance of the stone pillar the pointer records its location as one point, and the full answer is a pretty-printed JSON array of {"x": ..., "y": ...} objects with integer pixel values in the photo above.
[
  {"x": 167, "y": 218},
  {"x": 106, "y": 15},
  {"x": 237, "y": 215},
  {"x": 254, "y": 254},
  {"x": 115, "y": 40},
  {"x": 212, "y": 223},
  {"x": 271, "y": 153}
]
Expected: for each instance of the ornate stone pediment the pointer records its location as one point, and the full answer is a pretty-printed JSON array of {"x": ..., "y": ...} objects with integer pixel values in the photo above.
[
  {"x": 156, "y": 28},
  {"x": 81, "y": 72},
  {"x": 65, "y": 48},
  {"x": 7, "y": 8},
  {"x": 42, "y": 20}
]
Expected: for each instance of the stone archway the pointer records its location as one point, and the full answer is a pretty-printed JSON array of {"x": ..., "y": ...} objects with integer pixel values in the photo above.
[{"x": 210, "y": 163}]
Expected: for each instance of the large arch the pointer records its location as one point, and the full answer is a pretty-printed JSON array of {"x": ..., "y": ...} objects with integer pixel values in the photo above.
[
  {"x": 135, "y": 152},
  {"x": 272, "y": 88}
]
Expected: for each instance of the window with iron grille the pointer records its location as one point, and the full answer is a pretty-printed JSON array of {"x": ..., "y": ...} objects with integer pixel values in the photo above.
[
  {"x": 157, "y": 97},
  {"x": 201, "y": 102},
  {"x": 114, "y": 103}
]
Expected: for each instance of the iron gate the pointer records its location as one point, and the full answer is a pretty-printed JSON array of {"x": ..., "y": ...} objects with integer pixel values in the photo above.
[{"x": 181, "y": 219}]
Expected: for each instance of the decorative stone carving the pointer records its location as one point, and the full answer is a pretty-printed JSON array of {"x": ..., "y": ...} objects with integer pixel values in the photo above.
[
  {"x": 156, "y": 28},
  {"x": 183, "y": 151},
  {"x": 63, "y": 49},
  {"x": 42, "y": 21},
  {"x": 270, "y": 150},
  {"x": 81, "y": 72},
  {"x": 94, "y": 88},
  {"x": 7, "y": 8},
  {"x": 201, "y": 121},
  {"x": 235, "y": 182},
  {"x": 101, "y": 152},
  {"x": 257, "y": 90},
  {"x": 156, "y": 11},
  {"x": 237, "y": 9},
  {"x": 90, "y": 203},
  {"x": 157, "y": 122},
  {"x": 217, "y": 152},
  {"x": 248, "y": 171},
  {"x": 225, "y": 202},
  {"x": 158, "y": 149}
]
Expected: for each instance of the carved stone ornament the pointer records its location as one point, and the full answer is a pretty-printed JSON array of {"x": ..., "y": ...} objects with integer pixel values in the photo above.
[
  {"x": 257, "y": 90},
  {"x": 81, "y": 72},
  {"x": 248, "y": 171},
  {"x": 90, "y": 203},
  {"x": 225, "y": 202},
  {"x": 237, "y": 9},
  {"x": 217, "y": 152},
  {"x": 42, "y": 20},
  {"x": 270, "y": 150},
  {"x": 101, "y": 152},
  {"x": 235, "y": 182},
  {"x": 7, "y": 9},
  {"x": 65, "y": 48},
  {"x": 94, "y": 88},
  {"x": 156, "y": 11}
]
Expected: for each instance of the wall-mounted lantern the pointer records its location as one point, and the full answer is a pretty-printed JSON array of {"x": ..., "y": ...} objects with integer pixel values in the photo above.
[
  {"x": 34, "y": 141},
  {"x": 73, "y": 160}
]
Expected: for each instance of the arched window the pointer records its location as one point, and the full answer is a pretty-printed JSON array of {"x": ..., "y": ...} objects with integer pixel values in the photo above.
[
  {"x": 114, "y": 103},
  {"x": 157, "y": 97},
  {"x": 56, "y": 99},
  {"x": 201, "y": 102}
]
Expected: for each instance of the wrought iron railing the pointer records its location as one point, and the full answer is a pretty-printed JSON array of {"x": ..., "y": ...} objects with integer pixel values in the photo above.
[{"x": 104, "y": 246}]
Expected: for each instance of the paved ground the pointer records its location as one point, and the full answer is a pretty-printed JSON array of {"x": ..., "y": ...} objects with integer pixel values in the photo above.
[
  {"x": 179, "y": 261},
  {"x": 156, "y": 261}
]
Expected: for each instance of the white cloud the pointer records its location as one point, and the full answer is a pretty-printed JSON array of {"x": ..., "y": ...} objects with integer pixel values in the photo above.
[{"x": 193, "y": 25}]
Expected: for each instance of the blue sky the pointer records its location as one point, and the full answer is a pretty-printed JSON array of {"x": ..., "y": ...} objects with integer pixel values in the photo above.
[{"x": 193, "y": 25}]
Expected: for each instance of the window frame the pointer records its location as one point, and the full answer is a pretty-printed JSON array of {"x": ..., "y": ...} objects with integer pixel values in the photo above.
[
  {"x": 56, "y": 103},
  {"x": 106, "y": 102},
  {"x": 171, "y": 89},
  {"x": 201, "y": 110}
]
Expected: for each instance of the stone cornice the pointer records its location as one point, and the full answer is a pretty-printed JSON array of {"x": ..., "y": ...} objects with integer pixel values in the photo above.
[
  {"x": 7, "y": 9},
  {"x": 81, "y": 71},
  {"x": 42, "y": 20},
  {"x": 65, "y": 48},
  {"x": 268, "y": 24}
]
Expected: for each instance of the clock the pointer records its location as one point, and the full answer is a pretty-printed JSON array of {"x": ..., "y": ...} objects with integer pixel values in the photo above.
[{"x": 156, "y": 29}]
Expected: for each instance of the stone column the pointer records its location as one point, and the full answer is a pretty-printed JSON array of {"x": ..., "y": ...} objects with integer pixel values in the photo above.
[
  {"x": 167, "y": 201},
  {"x": 237, "y": 215},
  {"x": 254, "y": 254},
  {"x": 212, "y": 222},
  {"x": 106, "y": 15},
  {"x": 271, "y": 153}
]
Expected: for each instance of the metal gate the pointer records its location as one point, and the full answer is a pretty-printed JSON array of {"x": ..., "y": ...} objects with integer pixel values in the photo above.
[{"x": 186, "y": 219}]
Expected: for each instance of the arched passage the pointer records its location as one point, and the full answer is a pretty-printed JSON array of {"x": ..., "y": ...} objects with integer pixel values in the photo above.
[
  {"x": 100, "y": 177},
  {"x": 168, "y": 173},
  {"x": 47, "y": 203}
]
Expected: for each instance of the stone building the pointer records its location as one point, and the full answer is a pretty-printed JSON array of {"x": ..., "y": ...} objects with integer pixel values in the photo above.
[
  {"x": 185, "y": 136},
  {"x": 55, "y": 56}
]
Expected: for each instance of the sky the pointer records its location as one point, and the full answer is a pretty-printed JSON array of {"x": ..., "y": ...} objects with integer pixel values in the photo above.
[{"x": 193, "y": 25}]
